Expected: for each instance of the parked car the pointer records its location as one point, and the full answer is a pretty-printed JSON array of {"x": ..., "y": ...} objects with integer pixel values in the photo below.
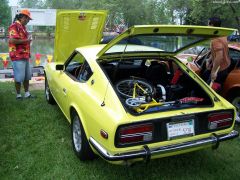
[
  {"x": 125, "y": 102},
  {"x": 234, "y": 37},
  {"x": 231, "y": 86}
]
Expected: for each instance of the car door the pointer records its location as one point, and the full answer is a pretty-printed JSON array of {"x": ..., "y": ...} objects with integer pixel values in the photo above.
[
  {"x": 232, "y": 81},
  {"x": 67, "y": 82}
]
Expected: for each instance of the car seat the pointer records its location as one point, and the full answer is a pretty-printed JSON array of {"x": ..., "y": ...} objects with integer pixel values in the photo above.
[{"x": 157, "y": 73}]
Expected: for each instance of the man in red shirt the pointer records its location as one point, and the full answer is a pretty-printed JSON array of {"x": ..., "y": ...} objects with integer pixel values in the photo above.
[{"x": 19, "y": 52}]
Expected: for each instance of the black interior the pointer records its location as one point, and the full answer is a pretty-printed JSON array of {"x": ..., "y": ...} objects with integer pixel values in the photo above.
[{"x": 157, "y": 72}]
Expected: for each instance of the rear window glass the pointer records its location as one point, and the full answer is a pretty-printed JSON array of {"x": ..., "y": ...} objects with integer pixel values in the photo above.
[{"x": 169, "y": 43}]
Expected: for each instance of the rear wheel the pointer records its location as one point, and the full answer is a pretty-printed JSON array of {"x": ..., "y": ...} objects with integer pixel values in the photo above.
[
  {"x": 80, "y": 143},
  {"x": 48, "y": 93}
]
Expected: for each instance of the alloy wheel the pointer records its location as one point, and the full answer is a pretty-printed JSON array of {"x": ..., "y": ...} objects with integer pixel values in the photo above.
[
  {"x": 47, "y": 93},
  {"x": 77, "y": 135}
]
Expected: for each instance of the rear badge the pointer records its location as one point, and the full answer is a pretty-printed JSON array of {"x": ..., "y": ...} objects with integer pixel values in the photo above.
[{"x": 82, "y": 16}]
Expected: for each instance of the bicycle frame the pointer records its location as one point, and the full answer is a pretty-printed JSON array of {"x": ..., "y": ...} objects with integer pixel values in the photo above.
[
  {"x": 153, "y": 103},
  {"x": 143, "y": 107}
]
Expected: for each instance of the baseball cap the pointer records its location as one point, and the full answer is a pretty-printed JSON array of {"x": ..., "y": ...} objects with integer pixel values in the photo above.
[{"x": 26, "y": 12}]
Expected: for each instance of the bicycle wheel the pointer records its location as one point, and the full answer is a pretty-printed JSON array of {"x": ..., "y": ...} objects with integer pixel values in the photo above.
[
  {"x": 125, "y": 87},
  {"x": 135, "y": 102}
]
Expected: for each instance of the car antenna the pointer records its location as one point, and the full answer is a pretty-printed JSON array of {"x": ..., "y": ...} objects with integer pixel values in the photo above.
[
  {"x": 103, "y": 103},
  {"x": 115, "y": 71}
]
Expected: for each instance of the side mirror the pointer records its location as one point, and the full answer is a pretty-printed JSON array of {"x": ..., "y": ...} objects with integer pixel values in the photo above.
[{"x": 59, "y": 67}]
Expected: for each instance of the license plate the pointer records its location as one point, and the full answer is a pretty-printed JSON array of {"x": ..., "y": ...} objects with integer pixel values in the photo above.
[{"x": 180, "y": 129}]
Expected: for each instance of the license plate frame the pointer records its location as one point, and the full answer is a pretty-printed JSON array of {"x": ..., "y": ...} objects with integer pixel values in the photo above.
[{"x": 180, "y": 129}]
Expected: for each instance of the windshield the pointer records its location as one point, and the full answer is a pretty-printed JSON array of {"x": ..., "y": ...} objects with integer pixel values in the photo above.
[{"x": 164, "y": 43}]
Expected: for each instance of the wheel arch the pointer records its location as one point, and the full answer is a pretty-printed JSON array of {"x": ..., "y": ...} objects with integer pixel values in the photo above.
[{"x": 74, "y": 110}]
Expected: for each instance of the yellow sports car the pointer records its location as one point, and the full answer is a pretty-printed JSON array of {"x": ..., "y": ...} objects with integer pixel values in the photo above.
[{"x": 132, "y": 99}]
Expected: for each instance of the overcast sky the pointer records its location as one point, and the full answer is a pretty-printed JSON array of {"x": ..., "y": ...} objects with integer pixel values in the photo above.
[{"x": 13, "y": 2}]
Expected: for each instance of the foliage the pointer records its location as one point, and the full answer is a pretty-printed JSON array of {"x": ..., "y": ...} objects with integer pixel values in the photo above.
[
  {"x": 201, "y": 10},
  {"x": 32, "y": 3},
  {"x": 63, "y": 4},
  {"x": 35, "y": 143},
  {"x": 195, "y": 12},
  {"x": 134, "y": 12},
  {"x": 5, "y": 14},
  {"x": 159, "y": 13}
]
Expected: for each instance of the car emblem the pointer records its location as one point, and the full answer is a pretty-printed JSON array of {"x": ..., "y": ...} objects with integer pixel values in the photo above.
[{"x": 82, "y": 16}]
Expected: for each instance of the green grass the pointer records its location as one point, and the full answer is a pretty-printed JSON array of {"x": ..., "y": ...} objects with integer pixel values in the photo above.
[{"x": 35, "y": 143}]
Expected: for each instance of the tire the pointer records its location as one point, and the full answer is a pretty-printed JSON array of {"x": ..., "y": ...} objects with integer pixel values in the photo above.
[
  {"x": 125, "y": 87},
  {"x": 48, "y": 94},
  {"x": 80, "y": 143},
  {"x": 235, "y": 100}
]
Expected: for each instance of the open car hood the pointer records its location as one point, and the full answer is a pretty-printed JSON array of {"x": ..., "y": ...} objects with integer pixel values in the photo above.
[
  {"x": 76, "y": 28},
  {"x": 167, "y": 39}
]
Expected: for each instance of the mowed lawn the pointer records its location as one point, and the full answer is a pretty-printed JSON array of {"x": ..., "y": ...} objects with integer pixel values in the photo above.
[{"x": 35, "y": 143}]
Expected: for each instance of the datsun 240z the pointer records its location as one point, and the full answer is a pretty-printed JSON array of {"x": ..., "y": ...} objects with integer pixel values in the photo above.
[{"x": 132, "y": 99}]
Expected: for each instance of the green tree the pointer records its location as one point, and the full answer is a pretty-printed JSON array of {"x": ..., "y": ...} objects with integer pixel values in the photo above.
[
  {"x": 133, "y": 11},
  {"x": 5, "y": 14},
  {"x": 228, "y": 11},
  {"x": 180, "y": 11},
  {"x": 157, "y": 12},
  {"x": 235, "y": 11},
  {"x": 194, "y": 12},
  {"x": 32, "y": 4},
  {"x": 63, "y": 4}
]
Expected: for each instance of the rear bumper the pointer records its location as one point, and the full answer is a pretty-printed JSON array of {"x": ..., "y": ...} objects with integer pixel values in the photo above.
[{"x": 146, "y": 152}]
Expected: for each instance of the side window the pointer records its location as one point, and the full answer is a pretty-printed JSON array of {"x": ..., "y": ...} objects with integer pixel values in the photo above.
[
  {"x": 85, "y": 72},
  {"x": 74, "y": 64}
]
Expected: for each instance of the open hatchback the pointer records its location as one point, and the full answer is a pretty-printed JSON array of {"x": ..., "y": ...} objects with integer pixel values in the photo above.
[{"x": 132, "y": 99}]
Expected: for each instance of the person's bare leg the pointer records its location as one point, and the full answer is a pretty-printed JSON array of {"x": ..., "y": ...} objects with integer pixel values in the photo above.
[
  {"x": 18, "y": 87},
  {"x": 26, "y": 85},
  {"x": 26, "y": 88},
  {"x": 18, "y": 90}
]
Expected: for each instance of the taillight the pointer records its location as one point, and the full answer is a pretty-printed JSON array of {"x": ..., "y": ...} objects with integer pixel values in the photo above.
[
  {"x": 220, "y": 120},
  {"x": 136, "y": 134}
]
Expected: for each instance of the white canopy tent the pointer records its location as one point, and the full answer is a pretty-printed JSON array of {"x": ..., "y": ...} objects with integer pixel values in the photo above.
[{"x": 41, "y": 17}]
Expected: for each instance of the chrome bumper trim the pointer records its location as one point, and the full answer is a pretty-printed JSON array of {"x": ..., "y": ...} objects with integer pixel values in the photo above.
[{"x": 144, "y": 153}]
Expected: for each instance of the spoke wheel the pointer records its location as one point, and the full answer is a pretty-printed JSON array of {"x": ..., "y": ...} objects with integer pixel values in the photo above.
[
  {"x": 126, "y": 87},
  {"x": 135, "y": 102}
]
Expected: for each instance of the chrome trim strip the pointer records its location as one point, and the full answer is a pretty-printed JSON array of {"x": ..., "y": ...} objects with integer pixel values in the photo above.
[
  {"x": 136, "y": 134},
  {"x": 213, "y": 140}
]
